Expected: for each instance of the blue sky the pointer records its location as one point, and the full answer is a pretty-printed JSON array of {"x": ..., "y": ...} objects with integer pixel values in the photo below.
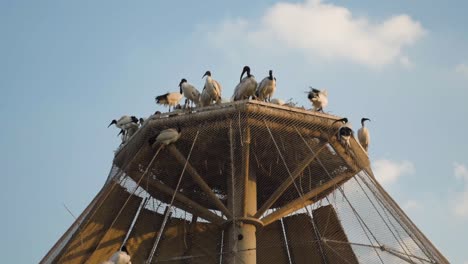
[{"x": 69, "y": 67}]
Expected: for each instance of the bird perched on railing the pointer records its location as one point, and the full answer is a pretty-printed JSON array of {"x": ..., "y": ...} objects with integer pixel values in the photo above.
[
  {"x": 169, "y": 99},
  {"x": 166, "y": 137},
  {"x": 266, "y": 88},
  {"x": 191, "y": 93},
  {"x": 211, "y": 91},
  {"x": 363, "y": 135},
  {"x": 345, "y": 132},
  {"x": 246, "y": 87},
  {"x": 318, "y": 98},
  {"x": 120, "y": 257}
]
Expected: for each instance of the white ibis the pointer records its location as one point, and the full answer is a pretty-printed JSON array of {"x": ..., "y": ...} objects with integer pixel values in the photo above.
[
  {"x": 318, "y": 98},
  {"x": 166, "y": 136},
  {"x": 142, "y": 121},
  {"x": 363, "y": 135},
  {"x": 120, "y": 257},
  {"x": 344, "y": 132},
  {"x": 247, "y": 86},
  {"x": 169, "y": 99},
  {"x": 266, "y": 88},
  {"x": 124, "y": 120},
  {"x": 211, "y": 91},
  {"x": 190, "y": 92}
]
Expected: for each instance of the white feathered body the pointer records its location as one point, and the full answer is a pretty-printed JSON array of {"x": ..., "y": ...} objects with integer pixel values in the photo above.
[
  {"x": 345, "y": 133},
  {"x": 190, "y": 92},
  {"x": 130, "y": 130},
  {"x": 211, "y": 92},
  {"x": 168, "y": 136},
  {"x": 169, "y": 99},
  {"x": 320, "y": 100},
  {"x": 246, "y": 88},
  {"x": 266, "y": 88},
  {"x": 119, "y": 257},
  {"x": 364, "y": 137},
  {"x": 124, "y": 121}
]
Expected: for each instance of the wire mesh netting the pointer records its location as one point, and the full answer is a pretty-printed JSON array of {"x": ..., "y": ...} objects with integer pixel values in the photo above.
[{"x": 247, "y": 182}]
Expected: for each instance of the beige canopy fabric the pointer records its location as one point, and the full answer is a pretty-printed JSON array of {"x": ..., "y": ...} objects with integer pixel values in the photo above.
[{"x": 96, "y": 240}]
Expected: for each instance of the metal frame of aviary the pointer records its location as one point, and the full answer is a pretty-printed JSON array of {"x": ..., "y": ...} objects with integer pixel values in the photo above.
[{"x": 247, "y": 182}]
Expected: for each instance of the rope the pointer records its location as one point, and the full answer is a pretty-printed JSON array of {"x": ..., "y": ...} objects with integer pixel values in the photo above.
[
  {"x": 385, "y": 208},
  {"x": 360, "y": 220},
  {"x": 383, "y": 248},
  {"x": 128, "y": 199},
  {"x": 298, "y": 191},
  {"x": 153, "y": 250},
  {"x": 386, "y": 224}
]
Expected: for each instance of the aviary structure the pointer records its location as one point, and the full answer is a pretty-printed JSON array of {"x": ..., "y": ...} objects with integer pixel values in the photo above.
[{"x": 248, "y": 182}]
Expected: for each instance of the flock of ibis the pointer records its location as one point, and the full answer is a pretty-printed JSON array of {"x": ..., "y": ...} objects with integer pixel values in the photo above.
[{"x": 248, "y": 88}]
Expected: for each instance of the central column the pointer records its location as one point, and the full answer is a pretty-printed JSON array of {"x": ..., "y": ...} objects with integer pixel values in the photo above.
[{"x": 240, "y": 232}]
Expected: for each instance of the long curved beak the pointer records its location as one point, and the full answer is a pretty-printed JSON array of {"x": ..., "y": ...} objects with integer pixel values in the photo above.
[
  {"x": 242, "y": 74},
  {"x": 340, "y": 120},
  {"x": 206, "y": 73},
  {"x": 121, "y": 132},
  {"x": 110, "y": 124}
]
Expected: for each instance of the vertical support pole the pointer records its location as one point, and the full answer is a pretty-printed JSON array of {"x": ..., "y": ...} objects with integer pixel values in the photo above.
[
  {"x": 240, "y": 234},
  {"x": 248, "y": 245}
]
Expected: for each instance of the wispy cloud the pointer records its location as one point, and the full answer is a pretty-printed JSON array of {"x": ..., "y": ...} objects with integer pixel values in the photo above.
[
  {"x": 324, "y": 30},
  {"x": 388, "y": 171},
  {"x": 462, "y": 69},
  {"x": 461, "y": 200},
  {"x": 412, "y": 205}
]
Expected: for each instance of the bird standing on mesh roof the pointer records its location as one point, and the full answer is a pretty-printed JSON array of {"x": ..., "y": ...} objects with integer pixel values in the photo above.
[
  {"x": 166, "y": 137},
  {"x": 266, "y": 88},
  {"x": 120, "y": 257},
  {"x": 318, "y": 98},
  {"x": 246, "y": 87},
  {"x": 124, "y": 123},
  {"x": 128, "y": 131},
  {"x": 169, "y": 99},
  {"x": 190, "y": 92},
  {"x": 344, "y": 132},
  {"x": 211, "y": 91},
  {"x": 363, "y": 135}
]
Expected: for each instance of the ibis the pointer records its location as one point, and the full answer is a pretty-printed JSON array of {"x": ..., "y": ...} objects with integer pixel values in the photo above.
[
  {"x": 318, "y": 98},
  {"x": 166, "y": 137},
  {"x": 344, "y": 132},
  {"x": 363, "y": 134},
  {"x": 169, "y": 99},
  {"x": 266, "y": 88},
  {"x": 211, "y": 91},
  {"x": 124, "y": 120},
  {"x": 247, "y": 86},
  {"x": 190, "y": 92}
]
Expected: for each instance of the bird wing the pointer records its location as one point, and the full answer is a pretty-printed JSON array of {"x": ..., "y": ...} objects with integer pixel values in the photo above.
[
  {"x": 262, "y": 85},
  {"x": 220, "y": 88},
  {"x": 363, "y": 136},
  {"x": 167, "y": 134},
  {"x": 313, "y": 90}
]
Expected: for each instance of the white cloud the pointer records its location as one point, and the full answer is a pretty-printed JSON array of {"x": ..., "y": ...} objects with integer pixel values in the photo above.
[
  {"x": 412, "y": 205},
  {"x": 461, "y": 200},
  {"x": 462, "y": 69},
  {"x": 318, "y": 29},
  {"x": 387, "y": 171}
]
